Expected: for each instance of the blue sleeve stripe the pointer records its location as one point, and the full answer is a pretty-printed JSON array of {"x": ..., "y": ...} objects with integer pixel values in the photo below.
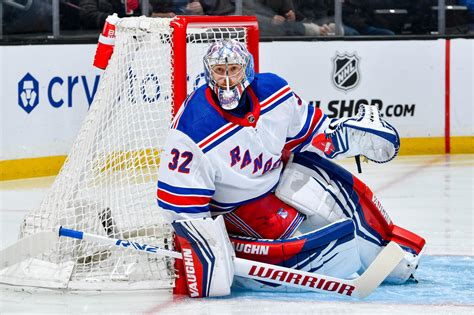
[
  {"x": 299, "y": 147},
  {"x": 196, "y": 210},
  {"x": 306, "y": 126},
  {"x": 185, "y": 191}
]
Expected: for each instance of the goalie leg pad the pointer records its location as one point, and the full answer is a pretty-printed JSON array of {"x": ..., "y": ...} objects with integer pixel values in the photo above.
[
  {"x": 374, "y": 227},
  {"x": 207, "y": 256},
  {"x": 331, "y": 250}
]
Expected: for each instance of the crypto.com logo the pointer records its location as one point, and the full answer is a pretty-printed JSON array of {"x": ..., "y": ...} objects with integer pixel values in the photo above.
[
  {"x": 28, "y": 93},
  {"x": 345, "y": 73}
]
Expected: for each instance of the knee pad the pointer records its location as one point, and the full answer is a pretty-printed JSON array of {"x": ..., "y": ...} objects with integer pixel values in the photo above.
[{"x": 311, "y": 194}]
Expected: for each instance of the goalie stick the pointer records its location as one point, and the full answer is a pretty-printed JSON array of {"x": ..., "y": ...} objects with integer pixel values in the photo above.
[{"x": 359, "y": 287}]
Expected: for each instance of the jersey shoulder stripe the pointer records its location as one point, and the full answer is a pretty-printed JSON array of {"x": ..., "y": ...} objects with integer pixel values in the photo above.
[
  {"x": 202, "y": 123},
  {"x": 199, "y": 118},
  {"x": 275, "y": 99},
  {"x": 271, "y": 91},
  {"x": 218, "y": 136},
  {"x": 313, "y": 121}
]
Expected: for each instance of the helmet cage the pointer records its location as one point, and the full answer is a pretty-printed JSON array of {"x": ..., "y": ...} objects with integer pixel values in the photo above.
[{"x": 227, "y": 53}]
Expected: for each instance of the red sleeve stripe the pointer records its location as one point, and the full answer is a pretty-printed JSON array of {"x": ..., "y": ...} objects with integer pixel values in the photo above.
[
  {"x": 182, "y": 200},
  {"x": 275, "y": 96},
  {"x": 290, "y": 145}
]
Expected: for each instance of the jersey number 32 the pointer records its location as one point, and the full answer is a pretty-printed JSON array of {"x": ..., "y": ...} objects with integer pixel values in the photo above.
[{"x": 180, "y": 161}]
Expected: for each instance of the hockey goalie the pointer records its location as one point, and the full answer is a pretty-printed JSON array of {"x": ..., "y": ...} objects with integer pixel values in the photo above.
[{"x": 247, "y": 171}]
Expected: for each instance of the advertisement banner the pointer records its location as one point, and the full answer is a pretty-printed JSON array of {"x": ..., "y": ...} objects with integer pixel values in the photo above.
[
  {"x": 462, "y": 87},
  {"x": 45, "y": 91},
  {"x": 405, "y": 79}
]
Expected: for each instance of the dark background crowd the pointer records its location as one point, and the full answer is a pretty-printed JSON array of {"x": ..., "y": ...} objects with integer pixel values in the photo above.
[{"x": 276, "y": 17}]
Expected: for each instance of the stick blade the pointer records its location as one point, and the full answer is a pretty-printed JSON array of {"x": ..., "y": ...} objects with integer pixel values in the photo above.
[
  {"x": 27, "y": 247},
  {"x": 380, "y": 268}
]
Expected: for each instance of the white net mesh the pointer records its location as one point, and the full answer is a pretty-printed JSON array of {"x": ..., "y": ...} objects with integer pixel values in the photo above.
[{"x": 108, "y": 184}]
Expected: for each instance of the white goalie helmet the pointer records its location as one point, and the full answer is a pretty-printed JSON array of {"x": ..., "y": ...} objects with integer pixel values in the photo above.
[{"x": 229, "y": 70}]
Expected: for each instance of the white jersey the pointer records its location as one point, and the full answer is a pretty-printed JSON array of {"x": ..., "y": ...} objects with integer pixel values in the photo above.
[{"x": 214, "y": 161}]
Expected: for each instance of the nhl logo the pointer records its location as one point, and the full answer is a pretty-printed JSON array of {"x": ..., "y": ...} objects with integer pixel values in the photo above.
[{"x": 345, "y": 74}]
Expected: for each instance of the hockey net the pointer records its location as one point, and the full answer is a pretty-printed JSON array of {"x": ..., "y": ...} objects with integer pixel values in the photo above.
[{"x": 107, "y": 185}]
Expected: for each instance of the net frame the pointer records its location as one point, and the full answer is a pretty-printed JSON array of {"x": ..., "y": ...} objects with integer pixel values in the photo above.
[{"x": 178, "y": 34}]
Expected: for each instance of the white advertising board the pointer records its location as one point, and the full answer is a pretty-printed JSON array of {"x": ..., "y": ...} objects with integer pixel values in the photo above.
[
  {"x": 45, "y": 93},
  {"x": 405, "y": 78},
  {"x": 462, "y": 87}
]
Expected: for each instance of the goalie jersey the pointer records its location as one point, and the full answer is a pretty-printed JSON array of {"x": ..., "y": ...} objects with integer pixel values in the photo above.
[{"x": 214, "y": 161}]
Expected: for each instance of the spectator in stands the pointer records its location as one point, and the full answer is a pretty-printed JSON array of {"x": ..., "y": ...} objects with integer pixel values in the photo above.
[
  {"x": 171, "y": 8},
  {"x": 358, "y": 15},
  {"x": 69, "y": 18},
  {"x": 321, "y": 13},
  {"x": 424, "y": 17},
  {"x": 27, "y": 17},
  {"x": 94, "y": 12},
  {"x": 275, "y": 17},
  {"x": 317, "y": 12},
  {"x": 278, "y": 18},
  {"x": 469, "y": 4}
]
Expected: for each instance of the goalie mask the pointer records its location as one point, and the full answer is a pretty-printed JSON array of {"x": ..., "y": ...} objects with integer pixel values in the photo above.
[{"x": 229, "y": 71}]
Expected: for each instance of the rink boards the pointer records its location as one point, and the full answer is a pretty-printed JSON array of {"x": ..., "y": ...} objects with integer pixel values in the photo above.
[{"x": 423, "y": 87}]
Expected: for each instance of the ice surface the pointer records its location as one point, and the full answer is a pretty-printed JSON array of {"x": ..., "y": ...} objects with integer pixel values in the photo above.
[{"x": 430, "y": 195}]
